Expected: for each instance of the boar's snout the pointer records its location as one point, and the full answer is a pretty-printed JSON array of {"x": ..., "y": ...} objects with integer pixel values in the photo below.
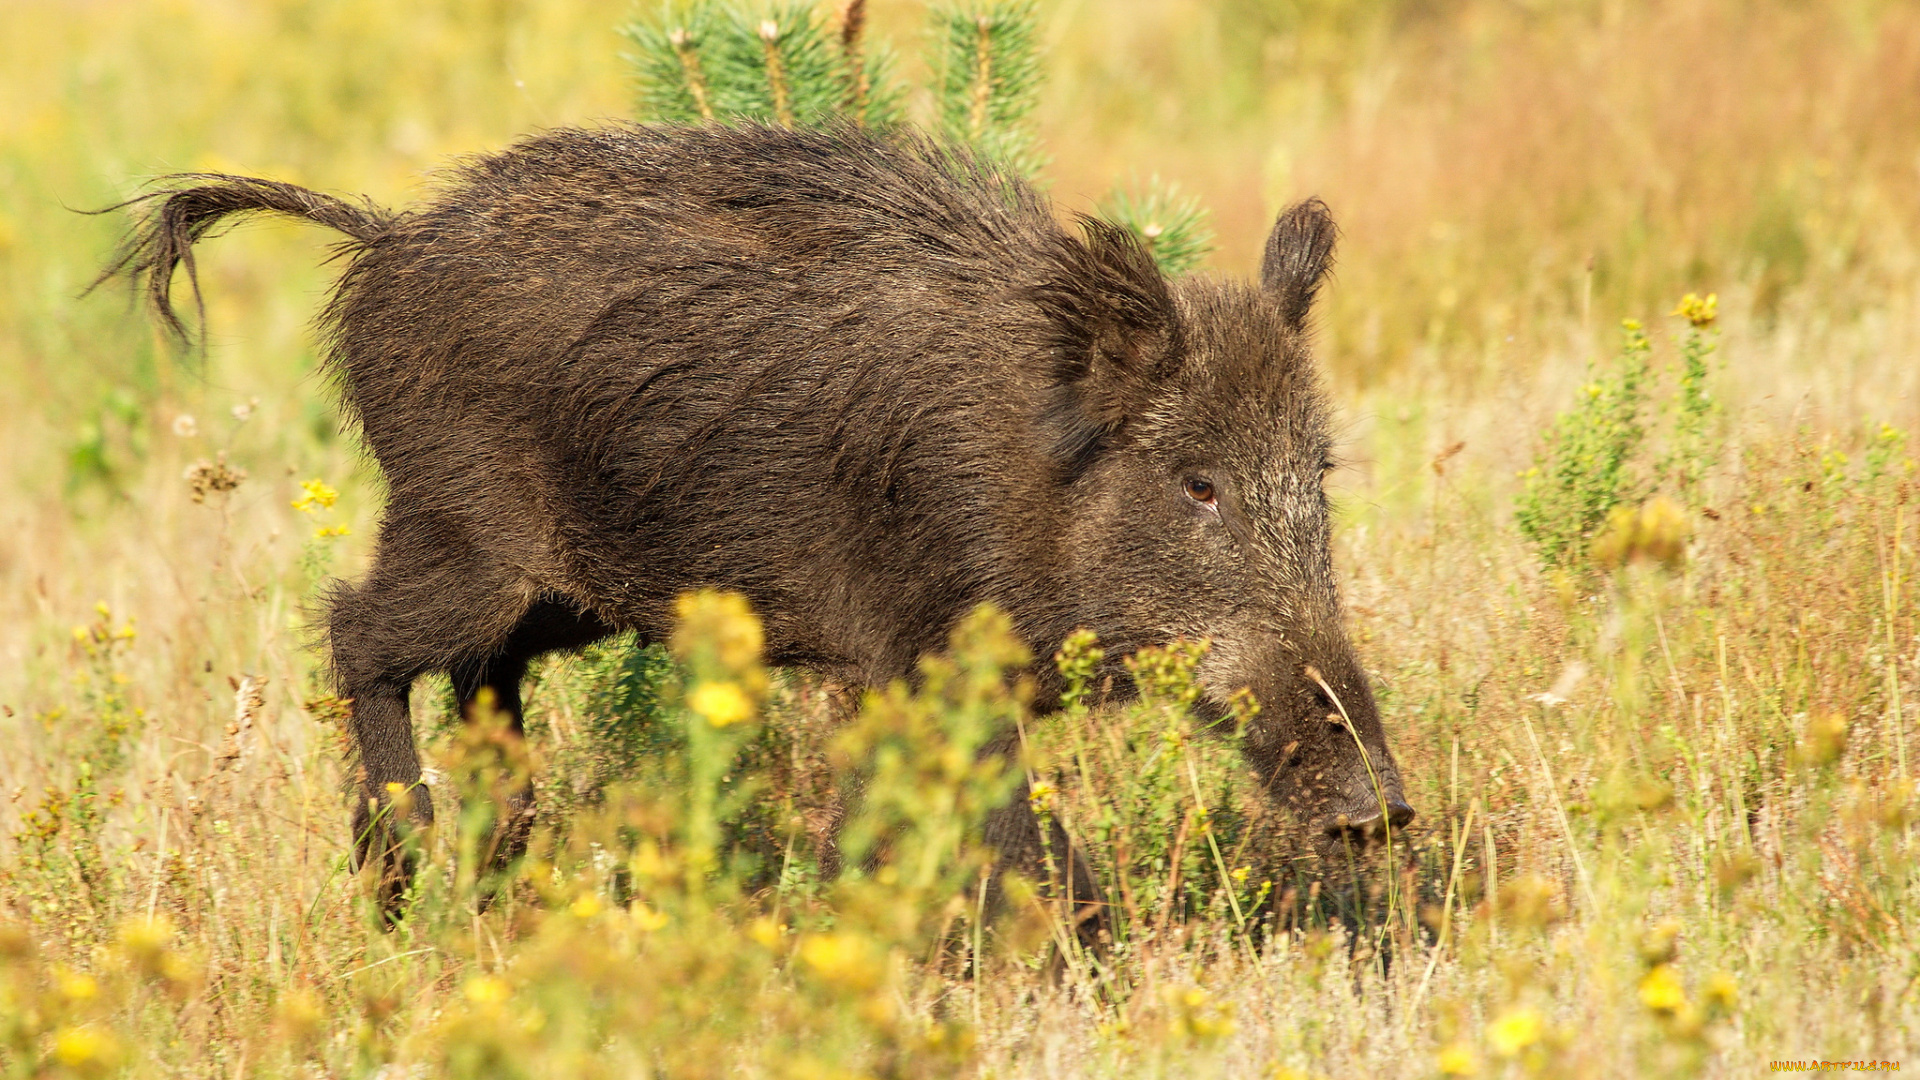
[
  {"x": 1370, "y": 824},
  {"x": 1317, "y": 738}
]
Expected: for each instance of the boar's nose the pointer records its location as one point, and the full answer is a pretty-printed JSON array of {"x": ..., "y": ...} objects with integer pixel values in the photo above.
[{"x": 1370, "y": 824}]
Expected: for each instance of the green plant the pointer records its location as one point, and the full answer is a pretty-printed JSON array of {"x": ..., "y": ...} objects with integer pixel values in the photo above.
[
  {"x": 989, "y": 76},
  {"x": 1173, "y": 226},
  {"x": 1165, "y": 813},
  {"x": 649, "y": 940},
  {"x": 1574, "y": 503},
  {"x": 1584, "y": 468},
  {"x": 711, "y": 60},
  {"x": 714, "y": 61},
  {"x": 1886, "y": 454},
  {"x": 98, "y": 453},
  {"x": 58, "y": 845},
  {"x": 717, "y": 61},
  {"x": 1691, "y": 445}
]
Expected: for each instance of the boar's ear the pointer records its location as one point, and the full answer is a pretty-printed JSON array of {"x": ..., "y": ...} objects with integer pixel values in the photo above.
[
  {"x": 1298, "y": 252},
  {"x": 1114, "y": 339}
]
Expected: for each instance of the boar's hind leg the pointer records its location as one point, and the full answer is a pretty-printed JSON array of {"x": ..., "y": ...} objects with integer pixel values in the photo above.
[
  {"x": 548, "y": 626},
  {"x": 431, "y": 599}
]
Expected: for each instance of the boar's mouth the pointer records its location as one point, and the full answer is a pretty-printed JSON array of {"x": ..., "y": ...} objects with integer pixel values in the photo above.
[
  {"x": 1382, "y": 809},
  {"x": 1333, "y": 779}
]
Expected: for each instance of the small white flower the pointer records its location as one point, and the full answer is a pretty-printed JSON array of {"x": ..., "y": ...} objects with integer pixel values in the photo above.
[{"x": 184, "y": 426}]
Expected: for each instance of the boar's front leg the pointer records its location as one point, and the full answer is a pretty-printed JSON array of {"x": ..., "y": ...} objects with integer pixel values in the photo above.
[
  {"x": 388, "y": 768},
  {"x": 1046, "y": 855}
]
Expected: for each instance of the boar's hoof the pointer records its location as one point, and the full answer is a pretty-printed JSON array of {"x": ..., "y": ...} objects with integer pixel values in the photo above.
[{"x": 390, "y": 846}]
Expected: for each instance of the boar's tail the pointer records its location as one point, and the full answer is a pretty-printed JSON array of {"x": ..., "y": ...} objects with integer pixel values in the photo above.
[{"x": 186, "y": 214}]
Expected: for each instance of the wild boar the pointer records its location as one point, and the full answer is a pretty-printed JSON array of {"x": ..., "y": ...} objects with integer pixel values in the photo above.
[{"x": 868, "y": 381}]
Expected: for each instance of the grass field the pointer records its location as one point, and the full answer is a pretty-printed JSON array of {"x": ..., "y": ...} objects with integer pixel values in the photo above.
[{"x": 1666, "y": 779}]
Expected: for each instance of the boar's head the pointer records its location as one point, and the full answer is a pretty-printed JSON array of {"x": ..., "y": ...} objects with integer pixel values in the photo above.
[{"x": 1191, "y": 438}]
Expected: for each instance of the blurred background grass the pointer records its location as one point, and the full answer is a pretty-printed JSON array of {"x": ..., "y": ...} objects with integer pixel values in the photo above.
[{"x": 1512, "y": 177}]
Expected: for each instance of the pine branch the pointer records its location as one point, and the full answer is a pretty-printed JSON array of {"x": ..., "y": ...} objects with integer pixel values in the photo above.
[
  {"x": 666, "y": 60},
  {"x": 872, "y": 98},
  {"x": 982, "y": 90},
  {"x": 692, "y": 76},
  {"x": 853, "y": 23},
  {"x": 776, "y": 73},
  {"x": 713, "y": 60},
  {"x": 779, "y": 68},
  {"x": 1173, "y": 226},
  {"x": 883, "y": 99},
  {"x": 989, "y": 64}
]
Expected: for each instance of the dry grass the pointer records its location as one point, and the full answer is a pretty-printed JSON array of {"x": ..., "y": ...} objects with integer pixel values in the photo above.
[{"x": 1694, "y": 857}]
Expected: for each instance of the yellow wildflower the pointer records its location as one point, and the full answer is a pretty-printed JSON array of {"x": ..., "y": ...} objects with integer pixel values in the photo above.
[
  {"x": 719, "y": 625},
  {"x": 1197, "y": 1016},
  {"x": 85, "y": 1049},
  {"x": 300, "y": 1015},
  {"x": 1514, "y": 1031},
  {"x": 841, "y": 959},
  {"x": 486, "y": 990},
  {"x": 722, "y": 703},
  {"x": 1723, "y": 993},
  {"x": 1041, "y": 797},
  {"x": 1661, "y": 990},
  {"x": 144, "y": 942},
  {"x": 1700, "y": 312},
  {"x": 145, "y": 937},
  {"x": 1825, "y": 739},
  {"x": 318, "y": 496},
  {"x": 1654, "y": 532},
  {"x": 1458, "y": 1059},
  {"x": 1661, "y": 942},
  {"x": 649, "y": 863},
  {"x": 76, "y": 985}
]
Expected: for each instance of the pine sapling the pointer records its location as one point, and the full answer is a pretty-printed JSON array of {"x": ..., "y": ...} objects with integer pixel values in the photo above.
[
  {"x": 1172, "y": 225},
  {"x": 989, "y": 81},
  {"x": 781, "y": 65}
]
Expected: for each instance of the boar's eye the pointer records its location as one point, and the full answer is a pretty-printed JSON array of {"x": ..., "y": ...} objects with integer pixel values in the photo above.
[{"x": 1200, "y": 491}]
